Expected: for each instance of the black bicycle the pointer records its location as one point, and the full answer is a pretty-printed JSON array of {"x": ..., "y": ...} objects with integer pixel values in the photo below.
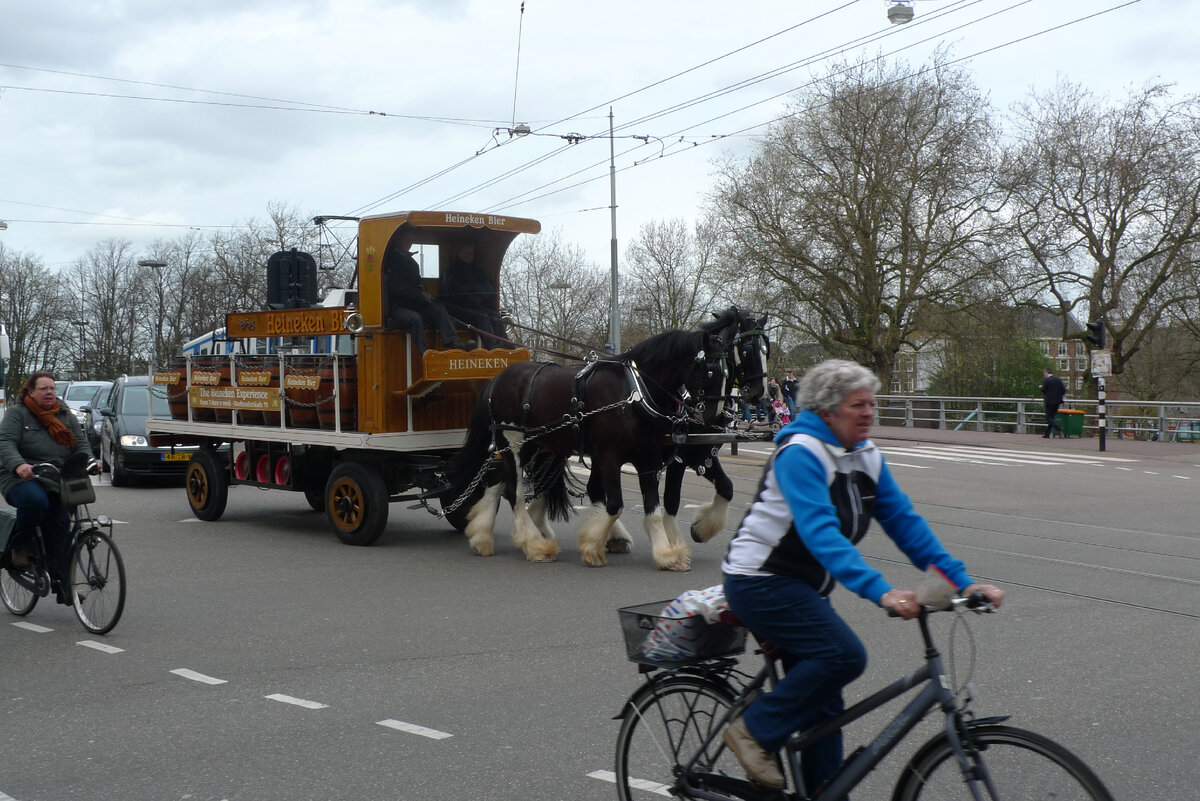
[
  {"x": 96, "y": 574},
  {"x": 670, "y": 737}
]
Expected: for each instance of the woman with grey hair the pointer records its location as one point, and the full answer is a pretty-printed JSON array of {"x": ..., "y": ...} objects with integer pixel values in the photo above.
[{"x": 820, "y": 490}]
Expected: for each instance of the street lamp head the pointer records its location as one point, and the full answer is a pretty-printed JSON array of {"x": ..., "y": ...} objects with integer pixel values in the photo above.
[
  {"x": 3, "y": 225},
  {"x": 900, "y": 13},
  {"x": 157, "y": 264}
]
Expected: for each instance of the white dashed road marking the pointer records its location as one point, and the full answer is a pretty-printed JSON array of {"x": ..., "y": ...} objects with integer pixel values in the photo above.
[
  {"x": 287, "y": 699},
  {"x": 100, "y": 646},
  {"x": 31, "y": 627},
  {"x": 200, "y": 677},
  {"x": 412, "y": 728},
  {"x": 638, "y": 784}
]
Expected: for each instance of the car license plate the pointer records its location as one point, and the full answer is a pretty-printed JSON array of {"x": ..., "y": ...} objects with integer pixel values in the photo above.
[{"x": 176, "y": 457}]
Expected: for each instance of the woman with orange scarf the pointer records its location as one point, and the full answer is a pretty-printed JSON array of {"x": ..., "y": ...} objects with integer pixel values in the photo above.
[{"x": 38, "y": 428}]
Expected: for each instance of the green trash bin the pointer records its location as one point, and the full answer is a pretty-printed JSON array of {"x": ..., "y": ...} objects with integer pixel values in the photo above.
[{"x": 1071, "y": 421}]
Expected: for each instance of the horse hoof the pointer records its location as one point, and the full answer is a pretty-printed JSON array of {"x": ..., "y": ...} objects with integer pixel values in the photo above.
[
  {"x": 617, "y": 546},
  {"x": 542, "y": 560}
]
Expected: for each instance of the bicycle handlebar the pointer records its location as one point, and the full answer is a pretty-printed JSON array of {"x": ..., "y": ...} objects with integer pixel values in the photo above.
[{"x": 975, "y": 602}]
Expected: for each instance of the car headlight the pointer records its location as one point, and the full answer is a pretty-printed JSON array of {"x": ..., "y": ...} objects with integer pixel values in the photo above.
[
  {"x": 97, "y": 426},
  {"x": 134, "y": 441},
  {"x": 79, "y": 414}
]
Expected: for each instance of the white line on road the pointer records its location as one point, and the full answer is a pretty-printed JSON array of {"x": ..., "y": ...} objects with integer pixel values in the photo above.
[
  {"x": 638, "y": 784},
  {"x": 906, "y": 464},
  {"x": 1185, "y": 478},
  {"x": 287, "y": 699},
  {"x": 31, "y": 627},
  {"x": 6, "y": 797},
  {"x": 200, "y": 677},
  {"x": 101, "y": 646},
  {"x": 412, "y": 728}
]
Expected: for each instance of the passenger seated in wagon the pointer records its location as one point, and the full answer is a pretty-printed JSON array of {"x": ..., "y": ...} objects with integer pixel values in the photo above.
[
  {"x": 470, "y": 295},
  {"x": 409, "y": 305}
]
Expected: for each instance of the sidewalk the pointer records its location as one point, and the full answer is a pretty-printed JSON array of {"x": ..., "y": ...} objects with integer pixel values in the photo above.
[{"x": 1171, "y": 451}]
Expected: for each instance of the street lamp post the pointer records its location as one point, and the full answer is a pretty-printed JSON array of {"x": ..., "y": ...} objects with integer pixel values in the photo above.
[
  {"x": 158, "y": 265},
  {"x": 80, "y": 324}
]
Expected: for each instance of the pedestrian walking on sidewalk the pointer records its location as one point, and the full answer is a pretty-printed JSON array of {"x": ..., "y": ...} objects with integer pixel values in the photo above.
[{"x": 1052, "y": 397}]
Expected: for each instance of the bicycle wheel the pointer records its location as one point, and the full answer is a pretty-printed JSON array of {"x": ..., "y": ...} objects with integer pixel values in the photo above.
[
  {"x": 1021, "y": 765},
  {"x": 664, "y": 726},
  {"x": 97, "y": 581},
  {"x": 17, "y": 598}
]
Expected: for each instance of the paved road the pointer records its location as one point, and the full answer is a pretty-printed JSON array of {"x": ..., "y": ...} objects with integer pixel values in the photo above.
[{"x": 261, "y": 659}]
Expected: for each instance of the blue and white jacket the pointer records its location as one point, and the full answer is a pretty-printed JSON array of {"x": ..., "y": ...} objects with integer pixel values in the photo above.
[{"x": 815, "y": 502}]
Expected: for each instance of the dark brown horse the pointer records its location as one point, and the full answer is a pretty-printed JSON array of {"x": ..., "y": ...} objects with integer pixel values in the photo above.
[{"x": 535, "y": 416}]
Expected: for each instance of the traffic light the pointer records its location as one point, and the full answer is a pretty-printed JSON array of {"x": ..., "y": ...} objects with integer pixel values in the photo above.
[{"x": 1096, "y": 336}]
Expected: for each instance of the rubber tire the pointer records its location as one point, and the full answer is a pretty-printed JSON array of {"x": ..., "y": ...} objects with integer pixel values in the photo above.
[
  {"x": 1018, "y": 761},
  {"x": 104, "y": 584},
  {"x": 120, "y": 476},
  {"x": 16, "y": 598},
  {"x": 316, "y": 499},
  {"x": 690, "y": 705},
  {"x": 207, "y": 485},
  {"x": 356, "y": 502}
]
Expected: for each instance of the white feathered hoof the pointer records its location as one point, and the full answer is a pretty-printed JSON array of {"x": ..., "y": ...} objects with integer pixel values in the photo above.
[
  {"x": 711, "y": 520},
  {"x": 677, "y": 559},
  {"x": 541, "y": 550}
]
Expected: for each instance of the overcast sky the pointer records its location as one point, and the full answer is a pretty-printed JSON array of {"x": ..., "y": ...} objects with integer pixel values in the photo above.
[{"x": 140, "y": 119}]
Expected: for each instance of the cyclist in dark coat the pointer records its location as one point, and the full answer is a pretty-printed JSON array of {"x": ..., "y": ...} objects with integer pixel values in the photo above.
[{"x": 38, "y": 428}]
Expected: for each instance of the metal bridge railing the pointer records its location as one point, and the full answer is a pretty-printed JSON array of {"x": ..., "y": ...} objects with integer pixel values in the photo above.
[{"x": 1168, "y": 421}]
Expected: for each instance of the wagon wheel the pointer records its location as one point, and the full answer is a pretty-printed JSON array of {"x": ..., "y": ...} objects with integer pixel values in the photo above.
[
  {"x": 356, "y": 501},
  {"x": 207, "y": 485}
]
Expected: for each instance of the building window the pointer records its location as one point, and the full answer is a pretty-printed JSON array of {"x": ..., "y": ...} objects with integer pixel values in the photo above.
[
  {"x": 895, "y": 386},
  {"x": 905, "y": 363},
  {"x": 1078, "y": 383},
  {"x": 1045, "y": 348},
  {"x": 1062, "y": 349},
  {"x": 908, "y": 386},
  {"x": 1081, "y": 364},
  {"x": 1064, "y": 365}
]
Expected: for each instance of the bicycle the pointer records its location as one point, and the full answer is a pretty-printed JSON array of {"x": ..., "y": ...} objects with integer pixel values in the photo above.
[
  {"x": 669, "y": 742},
  {"x": 96, "y": 572}
]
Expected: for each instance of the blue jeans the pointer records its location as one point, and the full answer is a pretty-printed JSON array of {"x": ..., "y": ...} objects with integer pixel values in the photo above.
[
  {"x": 821, "y": 656},
  {"x": 35, "y": 507}
]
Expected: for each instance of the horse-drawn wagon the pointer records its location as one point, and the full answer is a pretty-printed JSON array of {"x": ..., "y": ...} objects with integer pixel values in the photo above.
[{"x": 338, "y": 402}]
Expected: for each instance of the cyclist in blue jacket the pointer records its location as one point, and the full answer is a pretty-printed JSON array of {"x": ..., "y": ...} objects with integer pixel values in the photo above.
[{"x": 820, "y": 490}]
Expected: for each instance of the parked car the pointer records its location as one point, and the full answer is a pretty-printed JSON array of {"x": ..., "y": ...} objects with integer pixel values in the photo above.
[
  {"x": 124, "y": 449},
  {"x": 92, "y": 419},
  {"x": 80, "y": 393}
]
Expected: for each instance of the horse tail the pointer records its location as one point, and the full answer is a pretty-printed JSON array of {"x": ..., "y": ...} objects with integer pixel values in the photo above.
[
  {"x": 475, "y": 450},
  {"x": 552, "y": 479}
]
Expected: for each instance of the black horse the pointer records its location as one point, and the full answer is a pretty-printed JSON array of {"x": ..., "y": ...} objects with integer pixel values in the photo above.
[
  {"x": 746, "y": 357},
  {"x": 535, "y": 416}
]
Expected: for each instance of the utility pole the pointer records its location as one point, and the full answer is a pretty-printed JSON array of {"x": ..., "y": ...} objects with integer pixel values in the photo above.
[{"x": 614, "y": 319}]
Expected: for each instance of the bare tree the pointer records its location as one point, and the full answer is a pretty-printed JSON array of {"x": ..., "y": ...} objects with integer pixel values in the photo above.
[
  {"x": 34, "y": 306},
  {"x": 553, "y": 295},
  {"x": 869, "y": 201},
  {"x": 666, "y": 277},
  {"x": 1106, "y": 202}
]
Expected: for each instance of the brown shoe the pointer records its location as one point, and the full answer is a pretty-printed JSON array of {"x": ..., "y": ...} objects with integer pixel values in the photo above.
[
  {"x": 760, "y": 766},
  {"x": 21, "y": 560}
]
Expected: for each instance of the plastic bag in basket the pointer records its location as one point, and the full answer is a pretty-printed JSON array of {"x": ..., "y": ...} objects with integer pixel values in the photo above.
[{"x": 684, "y": 623}]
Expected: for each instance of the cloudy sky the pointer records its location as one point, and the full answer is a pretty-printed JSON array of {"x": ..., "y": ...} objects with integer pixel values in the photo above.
[{"x": 142, "y": 119}]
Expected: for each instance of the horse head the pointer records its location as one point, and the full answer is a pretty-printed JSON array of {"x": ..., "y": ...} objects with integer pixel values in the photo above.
[{"x": 746, "y": 348}]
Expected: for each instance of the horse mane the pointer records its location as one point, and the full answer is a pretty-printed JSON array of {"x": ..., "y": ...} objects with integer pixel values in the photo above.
[{"x": 673, "y": 348}]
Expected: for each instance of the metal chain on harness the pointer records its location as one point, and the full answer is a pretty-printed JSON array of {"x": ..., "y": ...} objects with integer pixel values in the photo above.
[{"x": 541, "y": 431}]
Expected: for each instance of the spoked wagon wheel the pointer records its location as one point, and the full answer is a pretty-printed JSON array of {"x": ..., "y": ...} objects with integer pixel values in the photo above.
[
  {"x": 207, "y": 485},
  {"x": 356, "y": 500}
]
